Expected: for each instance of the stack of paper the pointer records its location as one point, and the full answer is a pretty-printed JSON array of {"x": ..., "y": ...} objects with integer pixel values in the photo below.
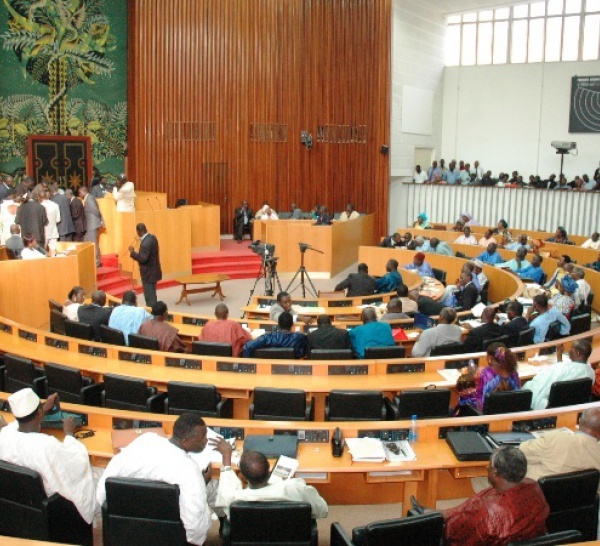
[{"x": 366, "y": 450}]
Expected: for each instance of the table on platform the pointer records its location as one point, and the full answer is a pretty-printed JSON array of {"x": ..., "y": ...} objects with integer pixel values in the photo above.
[{"x": 213, "y": 279}]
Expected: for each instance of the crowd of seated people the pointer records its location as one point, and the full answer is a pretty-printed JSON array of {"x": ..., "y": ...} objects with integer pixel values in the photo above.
[{"x": 467, "y": 174}]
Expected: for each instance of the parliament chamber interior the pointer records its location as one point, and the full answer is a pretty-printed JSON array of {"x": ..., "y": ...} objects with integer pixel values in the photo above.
[{"x": 270, "y": 150}]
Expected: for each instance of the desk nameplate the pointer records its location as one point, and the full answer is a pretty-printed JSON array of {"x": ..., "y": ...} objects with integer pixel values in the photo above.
[
  {"x": 135, "y": 357},
  {"x": 57, "y": 343},
  {"x": 29, "y": 336},
  {"x": 93, "y": 351},
  {"x": 183, "y": 363},
  {"x": 236, "y": 367}
]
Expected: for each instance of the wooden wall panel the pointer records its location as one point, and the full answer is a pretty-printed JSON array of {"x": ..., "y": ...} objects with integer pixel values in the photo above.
[{"x": 203, "y": 71}]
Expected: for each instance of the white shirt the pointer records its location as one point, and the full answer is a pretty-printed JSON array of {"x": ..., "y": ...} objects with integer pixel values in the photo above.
[
  {"x": 582, "y": 292},
  {"x": 272, "y": 216},
  {"x": 64, "y": 466},
  {"x": 420, "y": 178},
  {"x": 591, "y": 244},
  {"x": 481, "y": 277},
  {"x": 464, "y": 240},
  {"x": 71, "y": 311},
  {"x": 561, "y": 371},
  {"x": 125, "y": 197},
  {"x": 293, "y": 489},
  {"x": 152, "y": 457},
  {"x": 53, "y": 213},
  {"x": 31, "y": 254},
  {"x": 353, "y": 216}
]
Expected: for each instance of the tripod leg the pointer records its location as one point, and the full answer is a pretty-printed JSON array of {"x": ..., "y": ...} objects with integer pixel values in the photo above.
[
  {"x": 314, "y": 290},
  {"x": 292, "y": 281}
]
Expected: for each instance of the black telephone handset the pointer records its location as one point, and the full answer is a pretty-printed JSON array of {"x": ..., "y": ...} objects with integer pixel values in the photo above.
[{"x": 337, "y": 443}]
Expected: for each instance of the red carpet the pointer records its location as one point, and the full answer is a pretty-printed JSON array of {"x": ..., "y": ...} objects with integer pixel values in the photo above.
[{"x": 235, "y": 260}]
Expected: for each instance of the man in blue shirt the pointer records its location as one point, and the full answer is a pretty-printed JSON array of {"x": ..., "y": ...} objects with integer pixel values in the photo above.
[
  {"x": 391, "y": 280},
  {"x": 518, "y": 263},
  {"x": 128, "y": 317},
  {"x": 440, "y": 247},
  {"x": 546, "y": 316},
  {"x": 491, "y": 256},
  {"x": 420, "y": 266},
  {"x": 452, "y": 175},
  {"x": 284, "y": 337},
  {"x": 534, "y": 271},
  {"x": 521, "y": 241},
  {"x": 371, "y": 333}
]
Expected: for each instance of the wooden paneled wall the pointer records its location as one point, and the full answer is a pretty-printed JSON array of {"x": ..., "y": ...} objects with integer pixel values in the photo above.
[{"x": 220, "y": 91}]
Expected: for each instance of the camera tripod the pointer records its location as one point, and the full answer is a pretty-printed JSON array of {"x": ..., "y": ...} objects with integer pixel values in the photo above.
[
  {"x": 268, "y": 271},
  {"x": 303, "y": 274}
]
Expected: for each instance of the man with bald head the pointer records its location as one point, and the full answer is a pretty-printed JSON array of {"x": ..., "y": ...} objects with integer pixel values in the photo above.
[
  {"x": 371, "y": 333},
  {"x": 557, "y": 452},
  {"x": 95, "y": 313},
  {"x": 488, "y": 330},
  {"x": 254, "y": 467},
  {"x": 224, "y": 330}
]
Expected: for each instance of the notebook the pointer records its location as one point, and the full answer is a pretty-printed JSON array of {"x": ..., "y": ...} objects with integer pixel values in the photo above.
[{"x": 273, "y": 445}]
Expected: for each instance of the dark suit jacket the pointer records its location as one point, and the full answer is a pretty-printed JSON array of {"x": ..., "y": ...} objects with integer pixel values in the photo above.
[
  {"x": 475, "y": 338},
  {"x": 468, "y": 297},
  {"x": 65, "y": 226},
  {"x": 78, "y": 215},
  {"x": 4, "y": 191},
  {"x": 32, "y": 218},
  {"x": 149, "y": 260},
  {"x": 428, "y": 306},
  {"x": 94, "y": 316},
  {"x": 239, "y": 216},
  {"x": 513, "y": 328},
  {"x": 358, "y": 284},
  {"x": 328, "y": 336}
]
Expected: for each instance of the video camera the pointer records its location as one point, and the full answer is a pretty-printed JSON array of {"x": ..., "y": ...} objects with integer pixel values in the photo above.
[{"x": 263, "y": 249}]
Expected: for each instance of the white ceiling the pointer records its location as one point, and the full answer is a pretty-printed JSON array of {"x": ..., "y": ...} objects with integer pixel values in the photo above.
[{"x": 461, "y": 6}]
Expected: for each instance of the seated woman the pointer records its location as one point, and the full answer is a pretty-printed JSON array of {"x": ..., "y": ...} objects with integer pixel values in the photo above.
[
  {"x": 502, "y": 230},
  {"x": 499, "y": 375},
  {"x": 564, "y": 301},
  {"x": 468, "y": 219},
  {"x": 74, "y": 302},
  {"x": 32, "y": 250},
  {"x": 422, "y": 222},
  {"x": 560, "y": 236}
]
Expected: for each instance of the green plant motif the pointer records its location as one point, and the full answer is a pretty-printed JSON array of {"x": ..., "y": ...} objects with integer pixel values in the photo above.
[{"x": 61, "y": 44}]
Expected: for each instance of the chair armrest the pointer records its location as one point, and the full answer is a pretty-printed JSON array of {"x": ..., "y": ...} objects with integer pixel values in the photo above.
[
  {"x": 86, "y": 381},
  {"x": 40, "y": 386},
  {"x": 226, "y": 532},
  {"x": 225, "y": 408},
  {"x": 251, "y": 411},
  {"x": 310, "y": 410},
  {"x": 92, "y": 394},
  {"x": 66, "y": 524},
  {"x": 2, "y": 372},
  {"x": 338, "y": 536},
  {"x": 156, "y": 403},
  {"x": 392, "y": 413}
]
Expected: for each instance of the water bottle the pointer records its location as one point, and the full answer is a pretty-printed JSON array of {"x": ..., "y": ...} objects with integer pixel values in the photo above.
[{"x": 413, "y": 432}]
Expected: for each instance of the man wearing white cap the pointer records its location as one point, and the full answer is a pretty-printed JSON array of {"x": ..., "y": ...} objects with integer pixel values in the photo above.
[
  {"x": 64, "y": 466},
  {"x": 481, "y": 276}
]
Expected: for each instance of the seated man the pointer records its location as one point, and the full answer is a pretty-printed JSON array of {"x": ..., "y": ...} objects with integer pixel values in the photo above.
[
  {"x": 127, "y": 317},
  {"x": 255, "y": 470},
  {"x": 440, "y": 247},
  {"x": 95, "y": 313},
  {"x": 520, "y": 242},
  {"x": 327, "y": 336},
  {"x": 583, "y": 287},
  {"x": 64, "y": 466},
  {"x": 324, "y": 218},
  {"x": 479, "y": 274},
  {"x": 558, "y": 452},
  {"x": 515, "y": 324},
  {"x": 371, "y": 333},
  {"x": 14, "y": 242},
  {"x": 445, "y": 332},
  {"x": 224, "y": 330},
  {"x": 426, "y": 305},
  {"x": 243, "y": 218},
  {"x": 491, "y": 256},
  {"x": 518, "y": 263},
  {"x": 420, "y": 266},
  {"x": 487, "y": 238},
  {"x": 394, "y": 311},
  {"x": 392, "y": 241},
  {"x": 167, "y": 335},
  {"x": 534, "y": 271},
  {"x": 358, "y": 284},
  {"x": 466, "y": 238},
  {"x": 283, "y": 337},
  {"x": 296, "y": 212},
  {"x": 546, "y": 315},
  {"x": 152, "y": 457},
  {"x": 408, "y": 305},
  {"x": 488, "y": 330},
  {"x": 563, "y": 267},
  {"x": 391, "y": 280},
  {"x": 577, "y": 367},
  {"x": 349, "y": 213}
]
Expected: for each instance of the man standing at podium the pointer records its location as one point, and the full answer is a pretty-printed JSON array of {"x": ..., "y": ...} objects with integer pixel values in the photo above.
[
  {"x": 124, "y": 194},
  {"x": 149, "y": 259}
]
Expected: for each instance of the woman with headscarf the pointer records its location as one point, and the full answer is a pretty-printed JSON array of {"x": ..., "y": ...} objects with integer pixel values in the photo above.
[
  {"x": 468, "y": 219},
  {"x": 560, "y": 236},
  {"x": 502, "y": 230},
  {"x": 422, "y": 222},
  {"x": 499, "y": 375}
]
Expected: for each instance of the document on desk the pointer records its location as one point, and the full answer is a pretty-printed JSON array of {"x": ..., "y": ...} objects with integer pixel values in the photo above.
[
  {"x": 308, "y": 310},
  {"x": 399, "y": 451},
  {"x": 366, "y": 450},
  {"x": 451, "y": 374}
]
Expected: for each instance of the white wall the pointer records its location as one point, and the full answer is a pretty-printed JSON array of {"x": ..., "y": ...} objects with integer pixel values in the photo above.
[
  {"x": 506, "y": 116},
  {"x": 418, "y": 37}
]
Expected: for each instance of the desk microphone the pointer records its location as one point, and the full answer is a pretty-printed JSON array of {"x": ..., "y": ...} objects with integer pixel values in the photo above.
[{"x": 149, "y": 204}]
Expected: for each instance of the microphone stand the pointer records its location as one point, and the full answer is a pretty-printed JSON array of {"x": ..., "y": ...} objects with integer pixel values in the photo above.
[{"x": 303, "y": 274}]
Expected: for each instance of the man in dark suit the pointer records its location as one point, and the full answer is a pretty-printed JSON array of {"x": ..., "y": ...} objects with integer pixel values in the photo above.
[
  {"x": 6, "y": 188},
  {"x": 243, "y": 218},
  {"x": 516, "y": 323},
  {"x": 32, "y": 218},
  {"x": 426, "y": 305},
  {"x": 93, "y": 220},
  {"x": 78, "y": 216},
  {"x": 149, "y": 259},
  {"x": 358, "y": 284},
  {"x": 95, "y": 313},
  {"x": 327, "y": 336},
  {"x": 66, "y": 228},
  {"x": 488, "y": 330},
  {"x": 466, "y": 296}
]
